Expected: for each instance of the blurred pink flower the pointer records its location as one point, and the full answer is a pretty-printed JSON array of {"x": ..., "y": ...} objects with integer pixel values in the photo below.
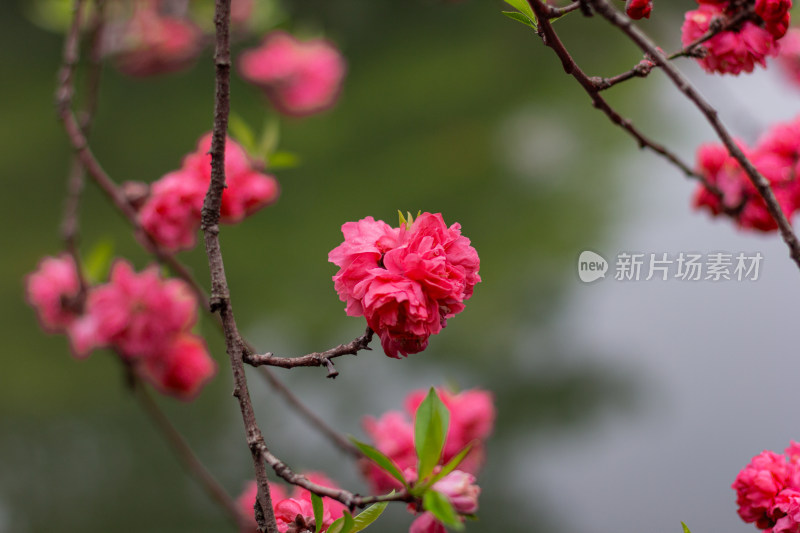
[
  {"x": 51, "y": 291},
  {"x": 171, "y": 213},
  {"x": 299, "y": 78},
  {"x": 182, "y": 368},
  {"x": 150, "y": 43}
]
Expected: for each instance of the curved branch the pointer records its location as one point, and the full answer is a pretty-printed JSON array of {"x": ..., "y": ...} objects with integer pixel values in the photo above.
[
  {"x": 315, "y": 358},
  {"x": 593, "y": 86}
]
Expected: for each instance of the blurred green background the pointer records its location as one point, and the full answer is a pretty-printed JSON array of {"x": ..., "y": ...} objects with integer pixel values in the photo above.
[{"x": 447, "y": 107}]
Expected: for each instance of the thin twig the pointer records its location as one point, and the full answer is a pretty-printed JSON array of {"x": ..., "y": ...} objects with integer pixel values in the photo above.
[
  {"x": 592, "y": 86},
  {"x": 313, "y": 418},
  {"x": 350, "y": 499},
  {"x": 608, "y": 12},
  {"x": 220, "y": 296},
  {"x": 77, "y": 176},
  {"x": 316, "y": 358},
  {"x": 187, "y": 456}
]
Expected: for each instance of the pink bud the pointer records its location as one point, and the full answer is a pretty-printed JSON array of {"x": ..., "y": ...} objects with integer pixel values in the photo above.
[
  {"x": 461, "y": 490},
  {"x": 638, "y": 9}
]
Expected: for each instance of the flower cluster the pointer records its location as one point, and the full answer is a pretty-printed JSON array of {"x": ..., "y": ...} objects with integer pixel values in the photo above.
[
  {"x": 775, "y": 156},
  {"x": 744, "y": 45},
  {"x": 151, "y": 43},
  {"x": 299, "y": 78},
  {"x": 145, "y": 319},
  {"x": 406, "y": 281},
  {"x": 171, "y": 213},
  {"x": 472, "y": 417},
  {"x": 768, "y": 491},
  {"x": 294, "y": 513},
  {"x": 638, "y": 9}
]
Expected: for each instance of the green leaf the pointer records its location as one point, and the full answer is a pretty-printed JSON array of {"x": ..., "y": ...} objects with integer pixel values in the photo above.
[
  {"x": 242, "y": 133},
  {"x": 98, "y": 260},
  {"x": 438, "y": 504},
  {"x": 685, "y": 528},
  {"x": 316, "y": 502},
  {"x": 430, "y": 430},
  {"x": 381, "y": 460},
  {"x": 403, "y": 219},
  {"x": 369, "y": 515},
  {"x": 344, "y": 525},
  {"x": 446, "y": 469},
  {"x": 280, "y": 160},
  {"x": 519, "y": 17},
  {"x": 523, "y": 7},
  {"x": 270, "y": 137}
]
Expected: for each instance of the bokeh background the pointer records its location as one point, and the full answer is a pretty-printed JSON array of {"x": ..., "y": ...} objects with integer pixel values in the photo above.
[{"x": 621, "y": 406}]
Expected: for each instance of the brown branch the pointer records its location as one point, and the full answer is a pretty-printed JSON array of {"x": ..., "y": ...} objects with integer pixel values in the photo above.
[
  {"x": 613, "y": 16},
  {"x": 220, "y": 296},
  {"x": 350, "y": 499},
  {"x": 187, "y": 456},
  {"x": 553, "y": 12},
  {"x": 77, "y": 176},
  {"x": 593, "y": 86},
  {"x": 315, "y": 358},
  {"x": 641, "y": 70}
]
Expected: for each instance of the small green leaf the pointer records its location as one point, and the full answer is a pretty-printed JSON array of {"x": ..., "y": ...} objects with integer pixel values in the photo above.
[
  {"x": 270, "y": 137},
  {"x": 98, "y": 260},
  {"x": 242, "y": 133},
  {"x": 438, "y": 504},
  {"x": 430, "y": 430},
  {"x": 280, "y": 160},
  {"x": 523, "y": 7},
  {"x": 403, "y": 220},
  {"x": 316, "y": 502},
  {"x": 685, "y": 528},
  {"x": 519, "y": 17},
  {"x": 343, "y": 525},
  {"x": 381, "y": 460},
  {"x": 369, "y": 515},
  {"x": 446, "y": 469}
]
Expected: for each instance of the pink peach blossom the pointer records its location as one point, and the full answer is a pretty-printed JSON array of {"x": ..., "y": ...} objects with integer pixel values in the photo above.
[
  {"x": 295, "y": 510},
  {"x": 299, "y": 78},
  {"x": 393, "y": 435},
  {"x": 638, "y": 9},
  {"x": 728, "y": 52},
  {"x": 51, "y": 290},
  {"x": 426, "y": 523},
  {"x": 139, "y": 314},
  {"x": 406, "y": 281},
  {"x": 150, "y": 43},
  {"x": 757, "y": 486},
  {"x": 461, "y": 490},
  {"x": 182, "y": 368},
  {"x": 171, "y": 213}
]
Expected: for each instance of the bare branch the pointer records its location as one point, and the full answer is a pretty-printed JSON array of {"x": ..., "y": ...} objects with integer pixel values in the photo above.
[
  {"x": 316, "y": 358},
  {"x": 220, "y": 296}
]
